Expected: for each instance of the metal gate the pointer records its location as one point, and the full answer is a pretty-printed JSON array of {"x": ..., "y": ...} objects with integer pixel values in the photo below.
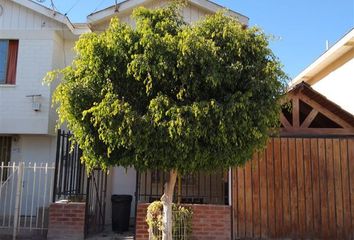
[
  {"x": 71, "y": 182},
  {"x": 24, "y": 197},
  {"x": 96, "y": 202}
]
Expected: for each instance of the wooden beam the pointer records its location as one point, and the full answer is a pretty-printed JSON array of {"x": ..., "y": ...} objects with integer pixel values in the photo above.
[
  {"x": 296, "y": 112},
  {"x": 284, "y": 121},
  {"x": 307, "y": 122},
  {"x": 325, "y": 112},
  {"x": 316, "y": 131}
]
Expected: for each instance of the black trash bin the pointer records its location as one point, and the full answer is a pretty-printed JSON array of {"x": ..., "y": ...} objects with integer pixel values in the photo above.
[{"x": 121, "y": 212}]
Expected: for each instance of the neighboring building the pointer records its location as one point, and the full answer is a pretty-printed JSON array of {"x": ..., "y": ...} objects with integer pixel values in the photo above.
[
  {"x": 332, "y": 74},
  {"x": 33, "y": 41}
]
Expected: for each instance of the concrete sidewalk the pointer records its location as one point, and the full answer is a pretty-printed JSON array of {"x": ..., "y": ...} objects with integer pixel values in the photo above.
[{"x": 108, "y": 234}]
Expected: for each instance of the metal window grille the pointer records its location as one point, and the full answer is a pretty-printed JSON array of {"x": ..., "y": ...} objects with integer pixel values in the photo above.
[{"x": 198, "y": 188}]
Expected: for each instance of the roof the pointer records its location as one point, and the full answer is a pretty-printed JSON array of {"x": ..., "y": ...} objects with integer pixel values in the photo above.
[
  {"x": 50, "y": 13},
  {"x": 308, "y": 91},
  {"x": 339, "y": 50},
  {"x": 126, "y": 5}
]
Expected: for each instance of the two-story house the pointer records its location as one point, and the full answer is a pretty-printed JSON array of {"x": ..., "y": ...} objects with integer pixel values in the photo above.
[{"x": 33, "y": 41}]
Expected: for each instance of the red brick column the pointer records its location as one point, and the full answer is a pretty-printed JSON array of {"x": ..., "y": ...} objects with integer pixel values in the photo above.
[
  {"x": 66, "y": 221},
  {"x": 209, "y": 222},
  {"x": 142, "y": 230}
]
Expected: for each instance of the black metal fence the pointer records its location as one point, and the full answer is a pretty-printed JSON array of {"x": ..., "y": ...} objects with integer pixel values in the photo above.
[
  {"x": 197, "y": 188},
  {"x": 71, "y": 182},
  {"x": 70, "y": 176}
]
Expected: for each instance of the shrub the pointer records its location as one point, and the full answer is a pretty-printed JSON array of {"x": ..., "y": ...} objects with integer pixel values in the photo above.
[{"x": 181, "y": 217}]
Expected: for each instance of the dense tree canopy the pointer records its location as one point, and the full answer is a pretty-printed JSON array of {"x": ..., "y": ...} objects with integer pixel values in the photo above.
[{"x": 171, "y": 95}]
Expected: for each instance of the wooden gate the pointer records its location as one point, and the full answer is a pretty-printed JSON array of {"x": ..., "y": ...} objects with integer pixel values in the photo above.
[{"x": 296, "y": 188}]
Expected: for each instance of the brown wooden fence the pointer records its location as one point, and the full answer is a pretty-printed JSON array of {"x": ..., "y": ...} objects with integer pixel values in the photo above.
[{"x": 296, "y": 188}]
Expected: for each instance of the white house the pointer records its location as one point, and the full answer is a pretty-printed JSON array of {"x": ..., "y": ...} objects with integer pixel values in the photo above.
[
  {"x": 332, "y": 74},
  {"x": 33, "y": 41}
]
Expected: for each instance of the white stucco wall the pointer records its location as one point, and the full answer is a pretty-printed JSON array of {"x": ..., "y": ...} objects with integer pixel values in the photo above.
[
  {"x": 34, "y": 60},
  {"x": 338, "y": 86},
  {"x": 190, "y": 13},
  {"x": 40, "y": 50},
  {"x": 33, "y": 148},
  {"x": 124, "y": 182}
]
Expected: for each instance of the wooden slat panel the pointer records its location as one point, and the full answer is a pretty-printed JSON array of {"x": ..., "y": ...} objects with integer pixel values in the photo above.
[
  {"x": 337, "y": 161},
  {"x": 323, "y": 188},
  {"x": 234, "y": 185},
  {"x": 241, "y": 218},
  {"x": 331, "y": 188},
  {"x": 264, "y": 193},
  {"x": 297, "y": 188},
  {"x": 301, "y": 186},
  {"x": 270, "y": 185},
  {"x": 346, "y": 188},
  {"x": 278, "y": 179},
  {"x": 316, "y": 187},
  {"x": 248, "y": 201},
  {"x": 309, "y": 211},
  {"x": 351, "y": 173},
  {"x": 256, "y": 197},
  {"x": 294, "y": 213},
  {"x": 286, "y": 187}
]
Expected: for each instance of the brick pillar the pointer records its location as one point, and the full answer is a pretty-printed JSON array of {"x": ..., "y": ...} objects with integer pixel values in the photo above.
[
  {"x": 66, "y": 221},
  {"x": 142, "y": 229}
]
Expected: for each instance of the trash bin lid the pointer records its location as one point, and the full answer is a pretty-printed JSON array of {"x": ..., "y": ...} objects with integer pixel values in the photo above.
[{"x": 121, "y": 198}]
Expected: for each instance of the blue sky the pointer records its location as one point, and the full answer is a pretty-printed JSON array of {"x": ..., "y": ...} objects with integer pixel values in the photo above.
[{"x": 300, "y": 27}]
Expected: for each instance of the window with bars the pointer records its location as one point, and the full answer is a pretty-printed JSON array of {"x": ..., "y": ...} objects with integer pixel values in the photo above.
[
  {"x": 5, "y": 154},
  {"x": 8, "y": 61},
  {"x": 198, "y": 188}
]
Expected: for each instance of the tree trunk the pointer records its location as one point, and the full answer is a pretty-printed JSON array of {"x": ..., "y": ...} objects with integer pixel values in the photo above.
[{"x": 166, "y": 200}]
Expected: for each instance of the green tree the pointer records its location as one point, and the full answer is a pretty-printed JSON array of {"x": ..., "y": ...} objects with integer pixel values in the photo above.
[{"x": 170, "y": 95}]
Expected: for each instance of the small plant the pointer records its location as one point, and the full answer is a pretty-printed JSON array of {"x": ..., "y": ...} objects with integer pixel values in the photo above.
[{"x": 182, "y": 219}]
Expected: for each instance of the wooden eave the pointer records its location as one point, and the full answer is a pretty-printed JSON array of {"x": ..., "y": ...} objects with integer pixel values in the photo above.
[{"x": 337, "y": 121}]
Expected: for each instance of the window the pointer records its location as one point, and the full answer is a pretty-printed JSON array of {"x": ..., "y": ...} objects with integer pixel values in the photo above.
[{"x": 8, "y": 61}]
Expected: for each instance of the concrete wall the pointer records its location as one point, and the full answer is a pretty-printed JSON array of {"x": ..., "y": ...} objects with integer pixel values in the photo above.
[
  {"x": 190, "y": 13},
  {"x": 40, "y": 50},
  {"x": 18, "y": 17},
  {"x": 33, "y": 148},
  {"x": 123, "y": 181},
  {"x": 338, "y": 86}
]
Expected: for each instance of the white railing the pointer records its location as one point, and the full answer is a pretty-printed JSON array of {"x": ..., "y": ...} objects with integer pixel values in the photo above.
[
  {"x": 180, "y": 228},
  {"x": 25, "y": 193}
]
